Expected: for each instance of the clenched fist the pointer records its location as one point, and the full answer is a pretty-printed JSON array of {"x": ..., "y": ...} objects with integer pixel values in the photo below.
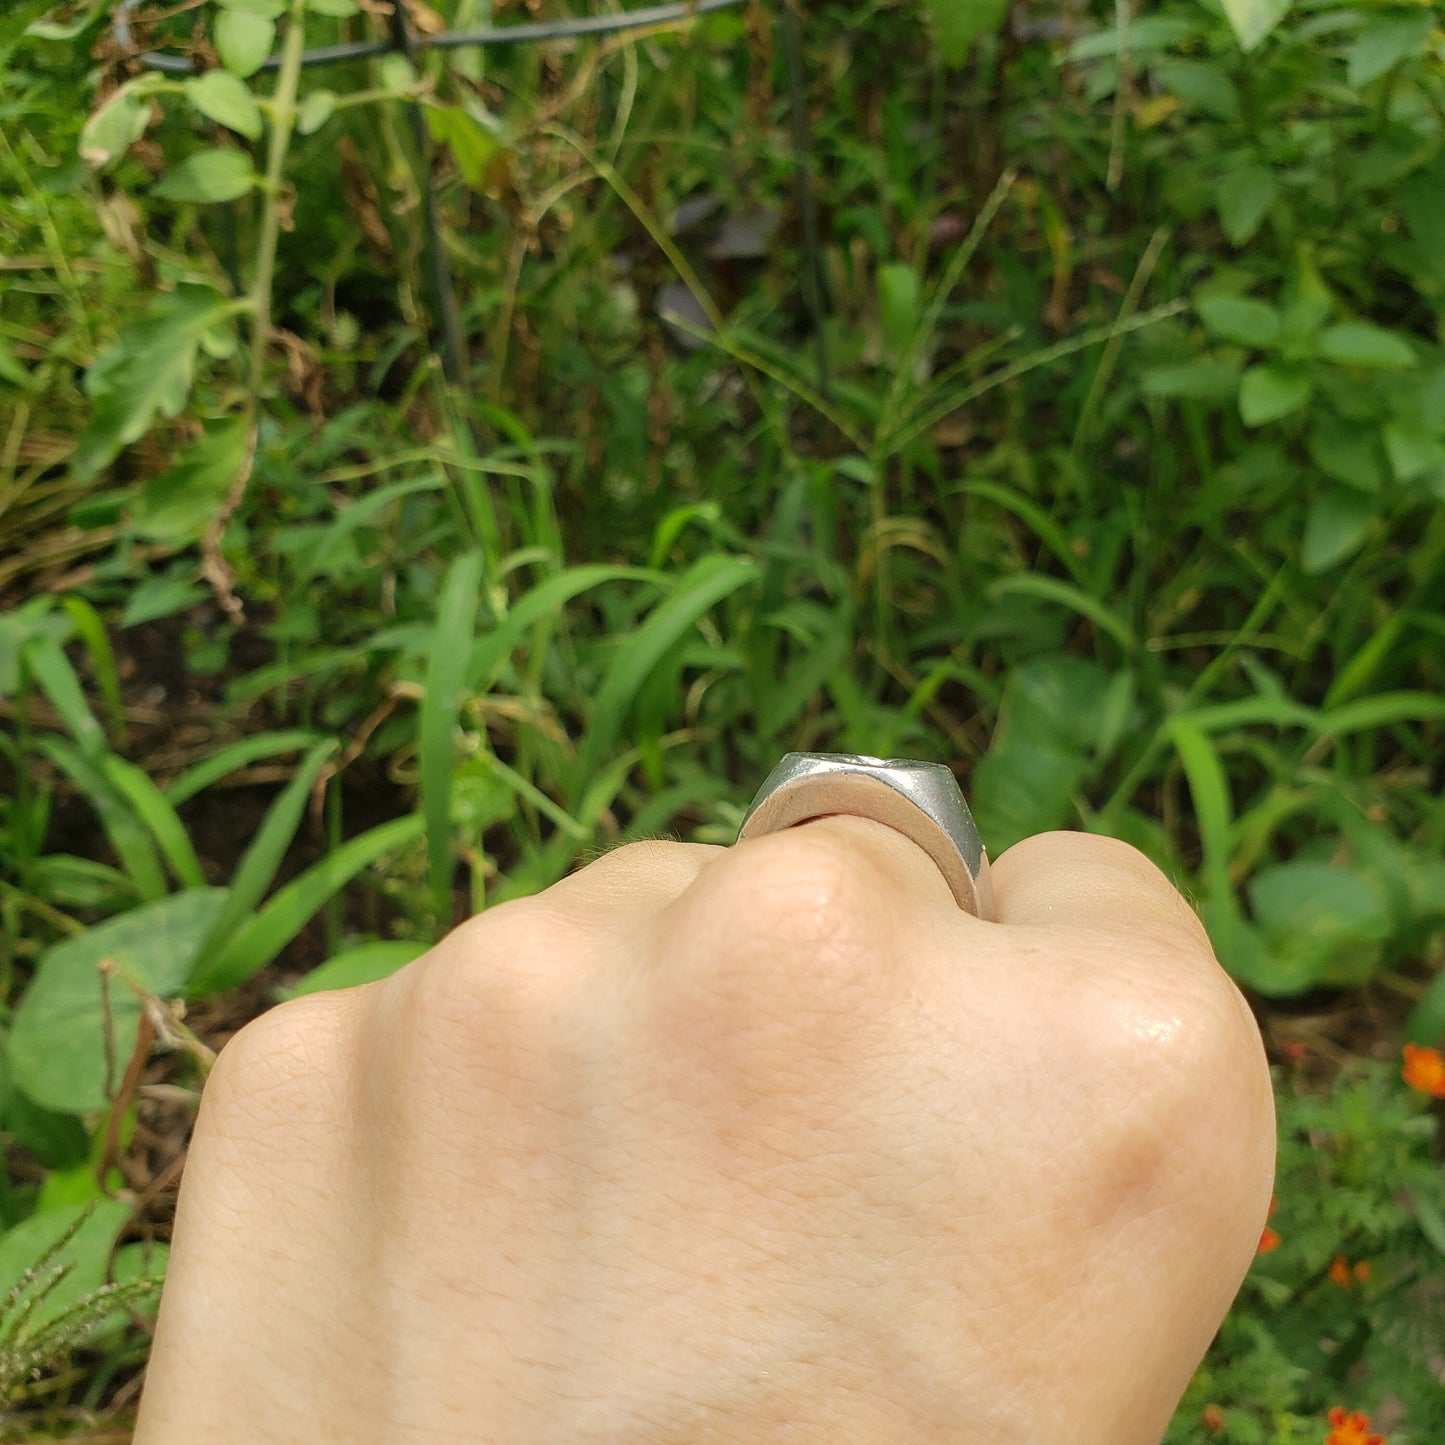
[{"x": 759, "y": 1144}]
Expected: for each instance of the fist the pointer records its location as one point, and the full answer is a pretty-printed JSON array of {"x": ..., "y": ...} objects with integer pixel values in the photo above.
[{"x": 750, "y": 1144}]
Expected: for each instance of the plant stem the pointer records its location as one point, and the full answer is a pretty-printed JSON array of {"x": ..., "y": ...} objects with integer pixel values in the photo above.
[{"x": 283, "y": 120}]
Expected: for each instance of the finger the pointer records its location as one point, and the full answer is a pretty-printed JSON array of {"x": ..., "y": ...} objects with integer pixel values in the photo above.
[
  {"x": 1079, "y": 880},
  {"x": 882, "y": 860},
  {"x": 631, "y": 881}
]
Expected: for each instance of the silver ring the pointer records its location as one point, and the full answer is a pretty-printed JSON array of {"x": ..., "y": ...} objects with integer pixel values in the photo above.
[{"x": 921, "y": 800}]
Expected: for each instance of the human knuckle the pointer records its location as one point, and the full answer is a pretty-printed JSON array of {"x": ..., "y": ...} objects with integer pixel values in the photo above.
[{"x": 281, "y": 1062}]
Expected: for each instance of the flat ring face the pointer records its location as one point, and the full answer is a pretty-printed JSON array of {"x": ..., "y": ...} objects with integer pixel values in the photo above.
[{"x": 920, "y": 800}]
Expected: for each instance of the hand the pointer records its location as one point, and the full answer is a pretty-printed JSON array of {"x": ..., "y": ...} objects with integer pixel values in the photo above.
[{"x": 751, "y": 1144}]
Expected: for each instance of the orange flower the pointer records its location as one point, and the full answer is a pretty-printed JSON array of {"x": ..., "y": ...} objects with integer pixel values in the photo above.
[
  {"x": 1424, "y": 1070},
  {"x": 1351, "y": 1428},
  {"x": 1363, "y": 1271},
  {"x": 1268, "y": 1240},
  {"x": 1212, "y": 1418},
  {"x": 1340, "y": 1271}
]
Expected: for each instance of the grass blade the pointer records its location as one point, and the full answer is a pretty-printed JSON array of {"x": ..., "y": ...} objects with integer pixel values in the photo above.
[
  {"x": 91, "y": 631},
  {"x": 258, "y": 941},
  {"x": 128, "y": 838},
  {"x": 51, "y": 668},
  {"x": 1065, "y": 594},
  {"x": 451, "y": 647},
  {"x": 1212, "y": 807},
  {"x": 704, "y": 585},
  {"x": 151, "y": 807},
  {"x": 232, "y": 759},
  {"x": 262, "y": 859}
]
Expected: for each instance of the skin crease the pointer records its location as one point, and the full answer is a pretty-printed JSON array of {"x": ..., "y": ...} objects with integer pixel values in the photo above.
[{"x": 770, "y": 1143}]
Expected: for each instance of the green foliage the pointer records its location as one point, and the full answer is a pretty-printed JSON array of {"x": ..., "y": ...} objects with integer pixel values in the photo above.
[
  {"x": 1119, "y": 488},
  {"x": 1346, "y": 1310}
]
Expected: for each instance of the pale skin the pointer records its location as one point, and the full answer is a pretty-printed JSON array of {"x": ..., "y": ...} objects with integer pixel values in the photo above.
[{"x": 770, "y": 1143}]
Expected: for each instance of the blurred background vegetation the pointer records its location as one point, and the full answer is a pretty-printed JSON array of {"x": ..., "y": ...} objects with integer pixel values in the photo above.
[{"x": 421, "y": 471}]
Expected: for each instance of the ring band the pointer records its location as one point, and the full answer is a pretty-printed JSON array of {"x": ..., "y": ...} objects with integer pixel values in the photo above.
[{"x": 920, "y": 800}]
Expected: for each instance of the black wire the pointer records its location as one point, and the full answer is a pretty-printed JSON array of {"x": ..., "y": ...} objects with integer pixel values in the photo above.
[{"x": 462, "y": 39}]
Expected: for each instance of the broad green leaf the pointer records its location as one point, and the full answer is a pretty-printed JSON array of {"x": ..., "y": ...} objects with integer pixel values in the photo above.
[
  {"x": 446, "y": 673},
  {"x": 243, "y": 40},
  {"x": 958, "y": 23},
  {"x": 1252, "y": 20},
  {"x": 117, "y": 125},
  {"x": 1349, "y": 453},
  {"x": 57, "y": 1048},
  {"x": 1242, "y": 199},
  {"x": 1422, "y": 199},
  {"x": 1383, "y": 43},
  {"x": 14, "y": 22},
  {"x": 1241, "y": 319},
  {"x": 1042, "y": 751},
  {"x": 337, "y": 9},
  {"x": 318, "y": 107},
  {"x": 1357, "y": 343},
  {"x": 209, "y": 177},
  {"x": 1336, "y": 525},
  {"x": 146, "y": 372},
  {"x": 1413, "y": 451},
  {"x": 257, "y": 942},
  {"x": 69, "y": 30},
  {"x": 1197, "y": 380},
  {"x": 266, "y": 9},
  {"x": 177, "y": 505},
  {"x": 1146, "y": 35},
  {"x": 1270, "y": 392},
  {"x": 72, "y": 1271},
  {"x": 366, "y": 963},
  {"x": 158, "y": 597},
  {"x": 1324, "y": 924},
  {"x": 1199, "y": 85},
  {"x": 472, "y": 143},
  {"x": 221, "y": 96}
]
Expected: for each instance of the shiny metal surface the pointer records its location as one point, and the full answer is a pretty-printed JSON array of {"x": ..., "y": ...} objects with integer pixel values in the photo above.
[{"x": 921, "y": 800}]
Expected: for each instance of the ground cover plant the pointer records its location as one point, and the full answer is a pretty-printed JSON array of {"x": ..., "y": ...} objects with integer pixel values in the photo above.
[{"x": 420, "y": 472}]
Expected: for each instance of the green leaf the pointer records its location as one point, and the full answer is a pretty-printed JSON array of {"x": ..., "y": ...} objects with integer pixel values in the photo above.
[
  {"x": 257, "y": 942},
  {"x": 1199, "y": 85},
  {"x": 222, "y": 97},
  {"x": 209, "y": 177},
  {"x": 57, "y": 1048},
  {"x": 451, "y": 647},
  {"x": 1042, "y": 750},
  {"x": 1349, "y": 453},
  {"x": 1270, "y": 392},
  {"x": 1323, "y": 924},
  {"x": 958, "y": 23},
  {"x": 1384, "y": 43},
  {"x": 73, "y": 1268},
  {"x": 231, "y": 759},
  {"x": 244, "y": 40},
  {"x": 366, "y": 963},
  {"x": 146, "y": 372},
  {"x": 898, "y": 309},
  {"x": 1357, "y": 343},
  {"x": 14, "y": 22},
  {"x": 1241, "y": 319},
  {"x": 1252, "y": 20},
  {"x": 1336, "y": 525},
  {"x": 1413, "y": 451},
  {"x": 1196, "y": 380},
  {"x": 150, "y": 805},
  {"x": 1146, "y": 35},
  {"x": 266, "y": 9},
  {"x": 177, "y": 506},
  {"x": 706, "y": 583},
  {"x": 51, "y": 668},
  {"x": 472, "y": 143},
  {"x": 337, "y": 9},
  {"x": 117, "y": 125},
  {"x": 1213, "y": 811},
  {"x": 265, "y": 853},
  {"x": 1242, "y": 200},
  {"x": 315, "y": 111},
  {"x": 69, "y": 30}
]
